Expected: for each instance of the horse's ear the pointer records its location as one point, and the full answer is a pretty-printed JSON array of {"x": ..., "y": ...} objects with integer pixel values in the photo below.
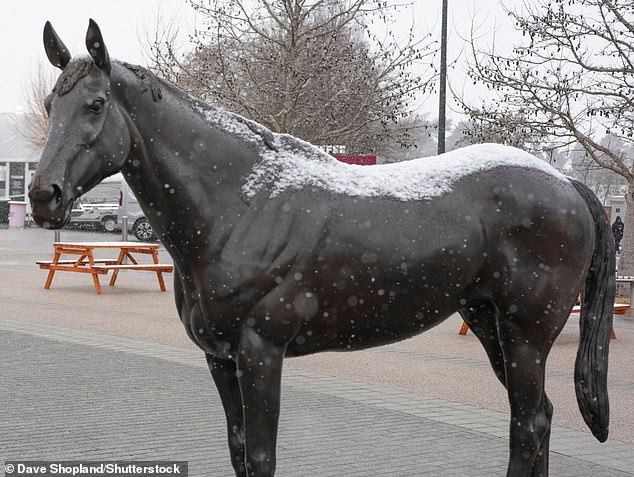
[
  {"x": 96, "y": 46},
  {"x": 56, "y": 51}
]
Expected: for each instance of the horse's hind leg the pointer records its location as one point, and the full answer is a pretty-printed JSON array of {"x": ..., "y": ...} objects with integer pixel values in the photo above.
[
  {"x": 481, "y": 316},
  {"x": 525, "y": 345}
]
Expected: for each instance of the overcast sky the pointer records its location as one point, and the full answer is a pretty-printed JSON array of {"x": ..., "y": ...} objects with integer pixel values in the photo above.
[{"x": 125, "y": 23}]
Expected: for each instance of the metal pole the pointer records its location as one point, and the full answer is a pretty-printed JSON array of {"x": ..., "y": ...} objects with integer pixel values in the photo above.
[
  {"x": 57, "y": 235},
  {"x": 442, "y": 101},
  {"x": 124, "y": 228}
]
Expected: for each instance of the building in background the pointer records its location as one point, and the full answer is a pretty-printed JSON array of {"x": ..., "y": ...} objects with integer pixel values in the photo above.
[
  {"x": 18, "y": 160},
  {"x": 339, "y": 152},
  {"x": 615, "y": 205}
]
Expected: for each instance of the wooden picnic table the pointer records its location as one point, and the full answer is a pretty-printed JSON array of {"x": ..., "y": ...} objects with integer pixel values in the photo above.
[{"x": 84, "y": 260}]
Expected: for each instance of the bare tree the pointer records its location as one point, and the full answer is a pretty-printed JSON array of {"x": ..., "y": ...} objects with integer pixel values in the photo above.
[
  {"x": 311, "y": 68},
  {"x": 421, "y": 141},
  {"x": 512, "y": 133},
  {"x": 603, "y": 182},
  {"x": 568, "y": 79},
  {"x": 33, "y": 124}
]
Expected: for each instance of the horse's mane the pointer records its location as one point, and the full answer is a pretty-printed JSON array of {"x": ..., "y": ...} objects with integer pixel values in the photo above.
[
  {"x": 149, "y": 81},
  {"x": 227, "y": 121},
  {"x": 75, "y": 70},
  {"x": 271, "y": 147}
]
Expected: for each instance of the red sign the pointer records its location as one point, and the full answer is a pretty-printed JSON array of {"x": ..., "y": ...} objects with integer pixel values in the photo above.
[{"x": 359, "y": 160}]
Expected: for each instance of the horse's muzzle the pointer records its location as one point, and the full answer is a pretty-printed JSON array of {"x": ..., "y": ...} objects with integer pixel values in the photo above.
[{"x": 49, "y": 208}]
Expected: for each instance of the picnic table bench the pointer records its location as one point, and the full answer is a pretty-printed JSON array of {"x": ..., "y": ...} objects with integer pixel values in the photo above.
[
  {"x": 627, "y": 279},
  {"x": 87, "y": 263}
]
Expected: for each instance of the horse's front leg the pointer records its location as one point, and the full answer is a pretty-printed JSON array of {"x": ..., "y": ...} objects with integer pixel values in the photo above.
[
  {"x": 224, "y": 373},
  {"x": 260, "y": 376}
]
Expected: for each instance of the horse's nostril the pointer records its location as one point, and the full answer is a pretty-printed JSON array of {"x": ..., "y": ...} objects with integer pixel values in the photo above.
[
  {"x": 42, "y": 193},
  {"x": 57, "y": 193},
  {"x": 46, "y": 193}
]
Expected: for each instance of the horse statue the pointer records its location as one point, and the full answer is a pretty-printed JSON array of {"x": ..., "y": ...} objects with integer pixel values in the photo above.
[{"x": 280, "y": 250}]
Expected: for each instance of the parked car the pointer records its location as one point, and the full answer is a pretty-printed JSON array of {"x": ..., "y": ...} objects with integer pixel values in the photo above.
[
  {"x": 130, "y": 208},
  {"x": 106, "y": 204},
  {"x": 101, "y": 216},
  {"x": 98, "y": 207}
]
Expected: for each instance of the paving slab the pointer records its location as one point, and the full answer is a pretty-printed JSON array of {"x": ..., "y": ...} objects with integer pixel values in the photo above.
[{"x": 74, "y": 394}]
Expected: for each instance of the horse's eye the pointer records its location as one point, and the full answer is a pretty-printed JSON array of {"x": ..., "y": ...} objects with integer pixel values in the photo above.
[{"x": 96, "y": 106}]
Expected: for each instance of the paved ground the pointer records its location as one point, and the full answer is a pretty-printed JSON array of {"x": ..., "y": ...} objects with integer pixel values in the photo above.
[{"x": 113, "y": 377}]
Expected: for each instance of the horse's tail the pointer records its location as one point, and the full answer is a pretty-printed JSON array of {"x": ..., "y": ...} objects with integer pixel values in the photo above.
[{"x": 597, "y": 301}]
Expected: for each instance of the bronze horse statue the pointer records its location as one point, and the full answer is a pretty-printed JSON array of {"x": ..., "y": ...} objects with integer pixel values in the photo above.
[{"x": 280, "y": 250}]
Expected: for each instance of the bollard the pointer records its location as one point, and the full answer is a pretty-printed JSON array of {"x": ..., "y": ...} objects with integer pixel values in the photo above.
[
  {"x": 124, "y": 228},
  {"x": 57, "y": 236}
]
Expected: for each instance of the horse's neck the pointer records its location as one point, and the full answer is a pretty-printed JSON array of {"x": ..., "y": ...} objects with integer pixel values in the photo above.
[{"x": 177, "y": 169}]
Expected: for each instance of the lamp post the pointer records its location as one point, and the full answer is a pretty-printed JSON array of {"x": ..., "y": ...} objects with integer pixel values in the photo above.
[{"x": 442, "y": 101}]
